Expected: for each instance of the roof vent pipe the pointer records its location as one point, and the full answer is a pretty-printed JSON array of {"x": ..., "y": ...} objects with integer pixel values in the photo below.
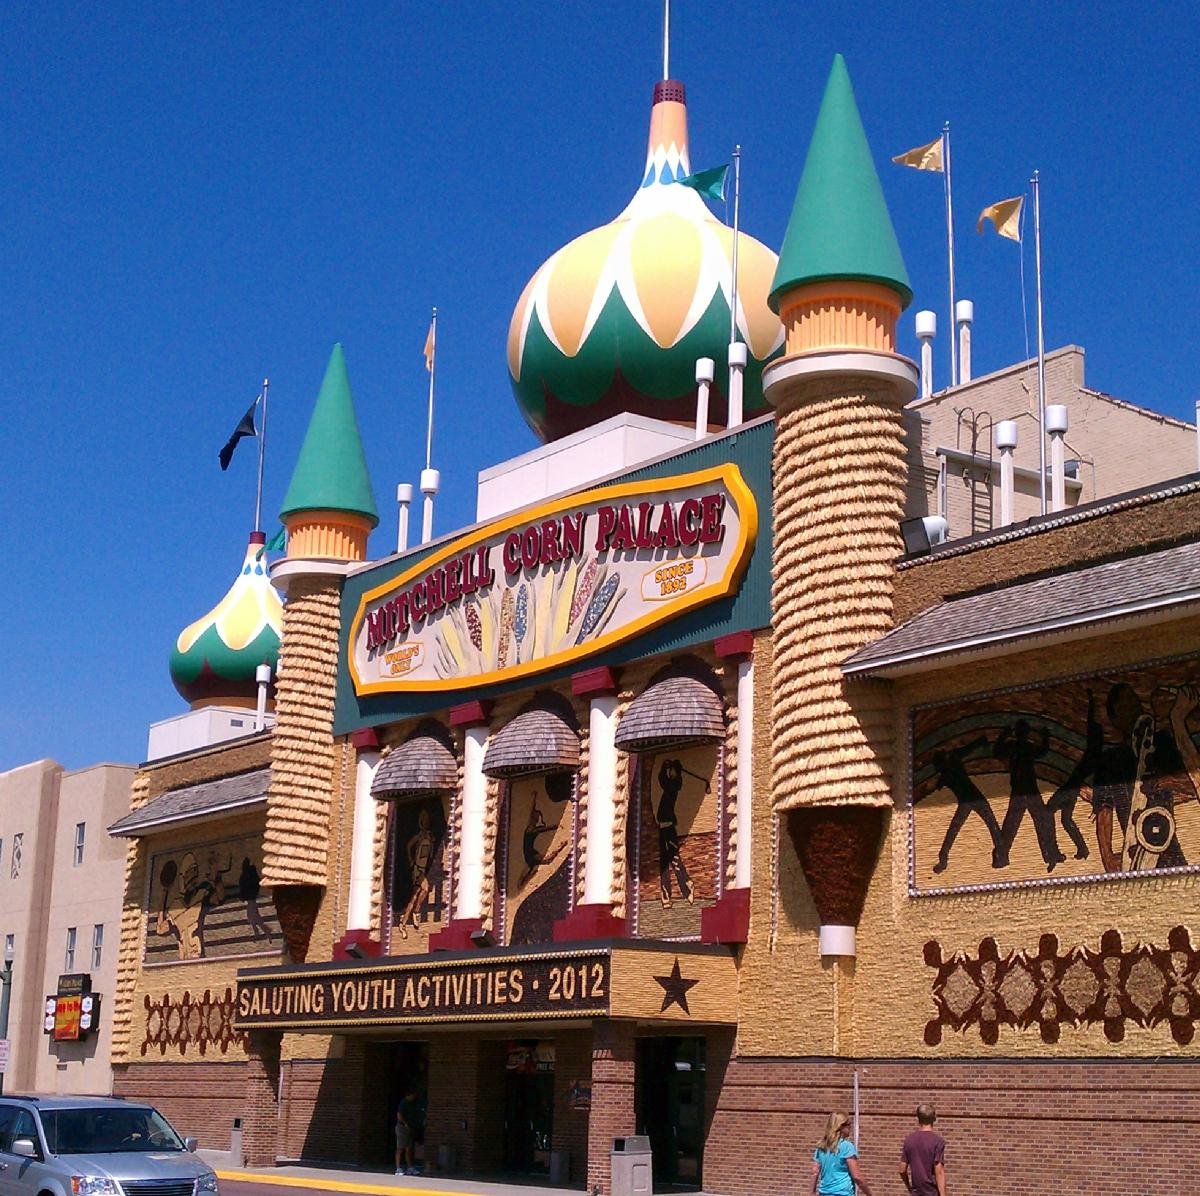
[
  {"x": 926, "y": 322},
  {"x": 262, "y": 675},
  {"x": 737, "y": 369},
  {"x": 404, "y": 497},
  {"x": 964, "y": 316},
  {"x": 1056, "y": 427},
  {"x": 705, "y": 372},
  {"x": 430, "y": 481},
  {"x": 1006, "y": 442}
]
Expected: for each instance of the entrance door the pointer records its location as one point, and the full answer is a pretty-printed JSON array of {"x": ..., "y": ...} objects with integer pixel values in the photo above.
[
  {"x": 410, "y": 1088},
  {"x": 670, "y": 1109},
  {"x": 528, "y": 1107}
]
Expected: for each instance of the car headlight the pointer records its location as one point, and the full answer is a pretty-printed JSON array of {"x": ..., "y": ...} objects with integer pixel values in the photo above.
[
  {"x": 94, "y": 1185},
  {"x": 207, "y": 1182}
]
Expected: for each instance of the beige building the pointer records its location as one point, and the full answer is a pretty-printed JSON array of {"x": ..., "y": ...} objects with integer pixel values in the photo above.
[
  {"x": 61, "y": 881},
  {"x": 956, "y": 443}
]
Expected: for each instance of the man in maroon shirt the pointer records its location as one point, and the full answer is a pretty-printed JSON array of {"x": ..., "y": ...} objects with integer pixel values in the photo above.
[{"x": 923, "y": 1157}]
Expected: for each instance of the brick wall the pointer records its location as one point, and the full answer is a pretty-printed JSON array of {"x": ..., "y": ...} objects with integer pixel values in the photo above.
[
  {"x": 1012, "y": 1127},
  {"x": 572, "y": 1061},
  {"x": 466, "y": 1102},
  {"x": 200, "y": 1100},
  {"x": 613, "y": 1063},
  {"x": 260, "y": 1141}
]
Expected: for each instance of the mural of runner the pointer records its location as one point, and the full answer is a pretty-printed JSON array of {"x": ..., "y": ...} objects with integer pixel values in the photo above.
[
  {"x": 207, "y": 901},
  {"x": 1116, "y": 752}
]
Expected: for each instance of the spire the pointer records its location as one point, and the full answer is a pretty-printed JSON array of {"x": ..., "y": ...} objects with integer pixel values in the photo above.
[
  {"x": 331, "y": 472},
  {"x": 840, "y": 227}
]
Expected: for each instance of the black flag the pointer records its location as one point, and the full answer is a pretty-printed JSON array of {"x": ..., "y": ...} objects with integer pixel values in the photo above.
[{"x": 244, "y": 428}]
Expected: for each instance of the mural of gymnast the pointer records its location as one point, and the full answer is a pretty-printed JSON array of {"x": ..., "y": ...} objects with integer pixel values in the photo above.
[
  {"x": 1134, "y": 770},
  {"x": 540, "y": 838}
]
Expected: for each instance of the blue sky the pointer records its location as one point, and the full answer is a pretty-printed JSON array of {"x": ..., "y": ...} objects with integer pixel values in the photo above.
[{"x": 195, "y": 196}]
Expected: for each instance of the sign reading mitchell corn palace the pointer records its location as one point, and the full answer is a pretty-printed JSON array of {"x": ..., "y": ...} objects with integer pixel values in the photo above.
[{"x": 549, "y": 586}]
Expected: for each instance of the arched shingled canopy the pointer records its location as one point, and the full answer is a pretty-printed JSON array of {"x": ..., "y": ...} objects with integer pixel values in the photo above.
[
  {"x": 537, "y": 740},
  {"x": 421, "y": 765},
  {"x": 675, "y": 710}
]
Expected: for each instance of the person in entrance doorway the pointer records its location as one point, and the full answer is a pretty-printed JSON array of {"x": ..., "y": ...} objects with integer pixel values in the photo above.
[
  {"x": 923, "y": 1157},
  {"x": 835, "y": 1161},
  {"x": 406, "y": 1134}
]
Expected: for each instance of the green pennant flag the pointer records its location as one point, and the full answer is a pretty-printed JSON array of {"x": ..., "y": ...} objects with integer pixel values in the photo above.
[
  {"x": 710, "y": 183},
  {"x": 277, "y": 543}
]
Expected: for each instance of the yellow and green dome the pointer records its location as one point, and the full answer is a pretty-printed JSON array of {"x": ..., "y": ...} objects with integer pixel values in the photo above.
[
  {"x": 215, "y": 658},
  {"x": 615, "y": 320}
]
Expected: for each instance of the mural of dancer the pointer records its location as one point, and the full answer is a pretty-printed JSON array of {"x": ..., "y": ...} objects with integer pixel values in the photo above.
[
  {"x": 210, "y": 910},
  {"x": 1120, "y": 746}
]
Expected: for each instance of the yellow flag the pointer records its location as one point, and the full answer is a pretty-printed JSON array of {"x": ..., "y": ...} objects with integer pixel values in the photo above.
[
  {"x": 429, "y": 346},
  {"x": 1006, "y": 216},
  {"x": 924, "y": 157}
]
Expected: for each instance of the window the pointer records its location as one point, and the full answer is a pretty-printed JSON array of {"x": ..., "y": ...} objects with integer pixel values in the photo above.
[
  {"x": 69, "y": 959},
  {"x": 80, "y": 833},
  {"x": 18, "y": 840},
  {"x": 97, "y": 945},
  {"x": 25, "y": 1128}
]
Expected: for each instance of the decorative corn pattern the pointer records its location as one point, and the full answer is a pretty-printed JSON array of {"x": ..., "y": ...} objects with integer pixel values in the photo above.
[
  {"x": 133, "y": 922},
  {"x": 295, "y": 846},
  {"x": 838, "y": 490}
]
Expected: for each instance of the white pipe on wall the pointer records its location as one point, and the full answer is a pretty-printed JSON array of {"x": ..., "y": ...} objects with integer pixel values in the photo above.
[{"x": 602, "y": 790}]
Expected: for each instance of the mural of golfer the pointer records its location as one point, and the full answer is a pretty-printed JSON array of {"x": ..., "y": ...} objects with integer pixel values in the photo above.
[
  {"x": 952, "y": 775},
  {"x": 670, "y": 859}
]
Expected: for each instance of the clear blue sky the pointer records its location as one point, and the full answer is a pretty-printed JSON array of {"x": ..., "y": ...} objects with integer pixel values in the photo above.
[{"x": 194, "y": 196}]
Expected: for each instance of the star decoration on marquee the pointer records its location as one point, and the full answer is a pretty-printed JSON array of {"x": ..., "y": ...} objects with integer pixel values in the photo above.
[{"x": 675, "y": 989}]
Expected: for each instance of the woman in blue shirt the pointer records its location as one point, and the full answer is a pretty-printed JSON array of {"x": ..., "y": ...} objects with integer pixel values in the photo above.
[{"x": 835, "y": 1161}]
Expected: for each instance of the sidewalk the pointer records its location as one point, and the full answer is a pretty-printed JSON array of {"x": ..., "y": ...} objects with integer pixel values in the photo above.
[{"x": 318, "y": 1179}]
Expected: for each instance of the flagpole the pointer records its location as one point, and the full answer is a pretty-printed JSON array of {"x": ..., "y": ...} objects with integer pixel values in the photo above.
[
  {"x": 950, "y": 249},
  {"x": 1041, "y": 336},
  {"x": 430, "y": 480},
  {"x": 737, "y": 351},
  {"x": 262, "y": 452}
]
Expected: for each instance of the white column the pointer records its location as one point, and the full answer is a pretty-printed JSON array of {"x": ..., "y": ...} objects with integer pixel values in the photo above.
[
  {"x": 742, "y": 870},
  {"x": 430, "y": 481},
  {"x": 262, "y": 675},
  {"x": 469, "y": 893},
  {"x": 964, "y": 314},
  {"x": 602, "y": 789},
  {"x": 404, "y": 497},
  {"x": 362, "y": 845}
]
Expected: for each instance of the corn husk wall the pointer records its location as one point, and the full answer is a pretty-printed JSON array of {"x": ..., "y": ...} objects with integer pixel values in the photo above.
[
  {"x": 838, "y": 484},
  {"x": 295, "y": 850},
  {"x": 129, "y": 952}
]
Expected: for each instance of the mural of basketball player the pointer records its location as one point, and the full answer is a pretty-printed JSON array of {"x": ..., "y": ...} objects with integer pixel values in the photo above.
[
  {"x": 670, "y": 859},
  {"x": 187, "y": 898},
  {"x": 952, "y": 775},
  {"x": 1016, "y": 745},
  {"x": 424, "y": 860}
]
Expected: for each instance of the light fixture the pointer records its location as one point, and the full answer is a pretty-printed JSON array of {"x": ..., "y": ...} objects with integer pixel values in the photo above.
[{"x": 922, "y": 533}]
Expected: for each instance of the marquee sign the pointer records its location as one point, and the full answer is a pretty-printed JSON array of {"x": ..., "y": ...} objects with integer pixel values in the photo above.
[
  {"x": 547, "y": 586},
  {"x": 689, "y": 983}
]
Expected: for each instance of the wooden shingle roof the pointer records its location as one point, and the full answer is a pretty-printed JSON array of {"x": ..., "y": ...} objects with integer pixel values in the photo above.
[
  {"x": 423, "y": 764},
  {"x": 673, "y": 710},
  {"x": 537, "y": 740}
]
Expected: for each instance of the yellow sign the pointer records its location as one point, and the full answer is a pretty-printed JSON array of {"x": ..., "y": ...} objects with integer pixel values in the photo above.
[{"x": 550, "y": 585}]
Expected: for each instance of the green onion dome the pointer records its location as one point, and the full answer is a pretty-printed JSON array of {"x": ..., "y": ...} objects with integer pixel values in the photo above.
[
  {"x": 215, "y": 658},
  {"x": 616, "y": 320}
]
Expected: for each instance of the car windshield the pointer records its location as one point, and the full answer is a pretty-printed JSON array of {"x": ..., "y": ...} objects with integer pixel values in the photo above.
[{"x": 107, "y": 1131}]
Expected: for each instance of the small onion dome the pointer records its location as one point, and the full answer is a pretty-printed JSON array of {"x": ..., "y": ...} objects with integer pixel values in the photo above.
[
  {"x": 615, "y": 320},
  {"x": 215, "y": 657}
]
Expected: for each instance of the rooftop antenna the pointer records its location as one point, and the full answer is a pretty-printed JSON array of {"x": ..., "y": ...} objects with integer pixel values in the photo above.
[
  {"x": 666, "y": 39},
  {"x": 262, "y": 452}
]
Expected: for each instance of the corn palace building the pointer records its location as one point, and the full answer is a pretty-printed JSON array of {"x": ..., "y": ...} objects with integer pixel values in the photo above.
[{"x": 679, "y": 795}]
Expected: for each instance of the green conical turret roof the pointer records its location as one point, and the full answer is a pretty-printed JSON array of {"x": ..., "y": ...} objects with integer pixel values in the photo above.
[
  {"x": 331, "y": 472},
  {"x": 840, "y": 227}
]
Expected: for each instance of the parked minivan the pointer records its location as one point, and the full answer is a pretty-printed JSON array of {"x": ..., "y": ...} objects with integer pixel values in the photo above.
[{"x": 95, "y": 1146}]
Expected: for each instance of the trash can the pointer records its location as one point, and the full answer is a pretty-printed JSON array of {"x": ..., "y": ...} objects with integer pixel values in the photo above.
[
  {"x": 560, "y": 1166},
  {"x": 235, "y": 1143},
  {"x": 447, "y": 1158},
  {"x": 632, "y": 1166}
]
